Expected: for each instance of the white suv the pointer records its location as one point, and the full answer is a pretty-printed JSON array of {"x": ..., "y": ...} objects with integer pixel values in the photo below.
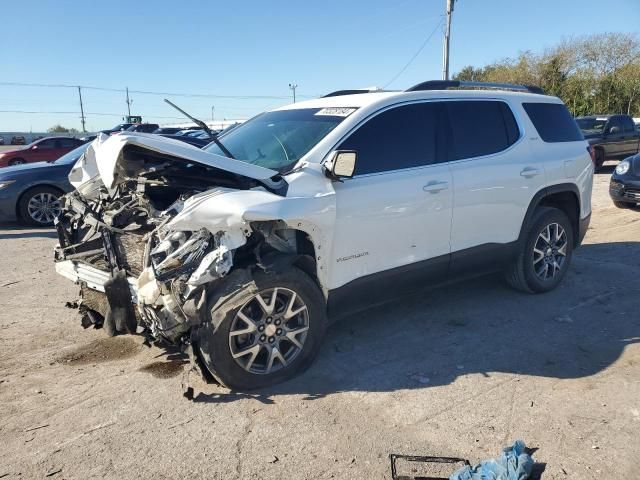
[{"x": 242, "y": 251}]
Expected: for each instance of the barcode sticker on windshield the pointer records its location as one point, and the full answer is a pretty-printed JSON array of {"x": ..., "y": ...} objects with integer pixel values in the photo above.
[{"x": 336, "y": 111}]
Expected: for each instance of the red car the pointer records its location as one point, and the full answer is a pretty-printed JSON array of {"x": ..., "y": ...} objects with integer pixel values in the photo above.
[{"x": 43, "y": 150}]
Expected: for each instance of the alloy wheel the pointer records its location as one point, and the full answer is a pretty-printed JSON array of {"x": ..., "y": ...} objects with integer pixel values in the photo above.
[
  {"x": 550, "y": 251},
  {"x": 269, "y": 331},
  {"x": 44, "y": 207}
]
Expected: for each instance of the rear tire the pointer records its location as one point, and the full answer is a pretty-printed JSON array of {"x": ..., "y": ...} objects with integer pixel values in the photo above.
[
  {"x": 540, "y": 265},
  {"x": 251, "y": 360},
  {"x": 16, "y": 161}
]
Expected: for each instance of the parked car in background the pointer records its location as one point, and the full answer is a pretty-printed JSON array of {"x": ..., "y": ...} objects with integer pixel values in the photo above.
[
  {"x": 196, "y": 142},
  {"x": 18, "y": 140},
  {"x": 118, "y": 128},
  {"x": 167, "y": 130},
  {"x": 143, "y": 127},
  {"x": 612, "y": 136},
  {"x": 31, "y": 193},
  {"x": 1, "y": 140},
  {"x": 624, "y": 187},
  {"x": 43, "y": 150}
]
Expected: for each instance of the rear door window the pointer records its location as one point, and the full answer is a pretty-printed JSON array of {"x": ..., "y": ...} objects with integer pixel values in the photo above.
[
  {"x": 402, "y": 137},
  {"x": 68, "y": 143},
  {"x": 553, "y": 122},
  {"x": 479, "y": 127},
  {"x": 615, "y": 122}
]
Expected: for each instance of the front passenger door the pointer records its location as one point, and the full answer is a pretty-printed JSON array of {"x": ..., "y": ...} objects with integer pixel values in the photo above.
[{"x": 393, "y": 217}]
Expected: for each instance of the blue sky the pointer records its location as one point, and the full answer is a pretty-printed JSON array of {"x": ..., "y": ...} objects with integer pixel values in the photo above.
[{"x": 257, "y": 48}]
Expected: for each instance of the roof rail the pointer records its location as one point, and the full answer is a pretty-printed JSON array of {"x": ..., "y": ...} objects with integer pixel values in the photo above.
[
  {"x": 355, "y": 91},
  {"x": 445, "y": 84}
]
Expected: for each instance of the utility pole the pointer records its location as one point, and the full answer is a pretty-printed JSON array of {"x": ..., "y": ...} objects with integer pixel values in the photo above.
[
  {"x": 293, "y": 87},
  {"x": 129, "y": 102},
  {"x": 81, "y": 109},
  {"x": 212, "y": 110},
  {"x": 447, "y": 36}
]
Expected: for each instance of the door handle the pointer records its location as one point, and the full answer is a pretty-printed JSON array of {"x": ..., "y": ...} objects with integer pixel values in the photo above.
[
  {"x": 529, "y": 172},
  {"x": 435, "y": 186}
]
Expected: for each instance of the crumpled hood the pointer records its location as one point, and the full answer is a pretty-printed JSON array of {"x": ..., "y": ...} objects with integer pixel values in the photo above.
[{"x": 104, "y": 157}]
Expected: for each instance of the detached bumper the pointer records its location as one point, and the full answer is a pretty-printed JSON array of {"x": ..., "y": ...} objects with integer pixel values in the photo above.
[{"x": 95, "y": 279}]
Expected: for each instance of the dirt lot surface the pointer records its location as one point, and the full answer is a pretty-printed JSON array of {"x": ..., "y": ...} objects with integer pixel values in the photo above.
[{"x": 460, "y": 371}]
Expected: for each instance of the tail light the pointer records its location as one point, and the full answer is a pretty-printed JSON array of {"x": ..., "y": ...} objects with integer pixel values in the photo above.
[{"x": 592, "y": 153}]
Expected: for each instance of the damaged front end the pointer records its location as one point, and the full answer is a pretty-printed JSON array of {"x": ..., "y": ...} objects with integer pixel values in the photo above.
[{"x": 139, "y": 237}]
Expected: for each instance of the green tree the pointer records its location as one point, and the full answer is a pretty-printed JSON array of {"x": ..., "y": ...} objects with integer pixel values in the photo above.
[
  {"x": 592, "y": 74},
  {"x": 60, "y": 129}
]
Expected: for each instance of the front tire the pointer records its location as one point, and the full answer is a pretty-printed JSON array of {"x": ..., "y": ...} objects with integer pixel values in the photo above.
[
  {"x": 16, "y": 161},
  {"x": 39, "y": 206},
  {"x": 623, "y": 204},
  {"x": 265, "y": 331},
  {"x": 545, "y": 253}
]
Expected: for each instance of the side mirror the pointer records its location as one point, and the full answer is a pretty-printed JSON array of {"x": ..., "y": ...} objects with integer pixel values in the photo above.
[
  {"x": 614, "y": 130},
  {"x": 342, "y": 164}
]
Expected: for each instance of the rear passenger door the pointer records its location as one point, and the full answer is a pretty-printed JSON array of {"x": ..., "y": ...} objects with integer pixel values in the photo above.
[
  {"x": 631, "y": 136},
  {"x": 615, "y": 141},
  {"x": 494, "y": 176},
  {"x": 395, "y": 213}
]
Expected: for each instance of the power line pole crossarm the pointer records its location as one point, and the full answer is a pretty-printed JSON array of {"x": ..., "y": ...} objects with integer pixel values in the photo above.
[
  {"x": 293, "y": 87},
  {"x": 447, "y": 37},
  {"x": 128, "y": 102}
]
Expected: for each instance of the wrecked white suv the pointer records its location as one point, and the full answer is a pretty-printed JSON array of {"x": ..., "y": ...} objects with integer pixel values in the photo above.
[{"x": 241, "y": 252}]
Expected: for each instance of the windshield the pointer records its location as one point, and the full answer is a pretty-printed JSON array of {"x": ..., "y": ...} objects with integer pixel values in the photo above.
[
  {"x": 72, "y": 156},
  {"x": 591, "y": 125},
  {"x": 277, "y": 140}
]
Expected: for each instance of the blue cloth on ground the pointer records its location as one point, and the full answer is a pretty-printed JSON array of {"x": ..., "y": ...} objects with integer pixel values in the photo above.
[{"x": 512, "y": 464}]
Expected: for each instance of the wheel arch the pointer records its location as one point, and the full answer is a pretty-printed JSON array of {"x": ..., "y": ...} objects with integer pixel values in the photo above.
[{"x": 565, "y": 197}]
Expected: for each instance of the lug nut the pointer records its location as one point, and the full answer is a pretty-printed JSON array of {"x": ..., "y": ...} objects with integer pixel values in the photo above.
[
  {"x": 279, "y": 331},
  {"x": 263, "y": 338},
  {"x": 278, "y": 321},
  {"x": 269, "y": 319},
  {"x": 271, "y": 339},
  {"x": 261, "y": 328}
]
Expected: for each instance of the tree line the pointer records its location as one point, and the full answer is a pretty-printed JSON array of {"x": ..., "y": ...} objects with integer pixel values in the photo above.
[{"x": 594, "y": 74}]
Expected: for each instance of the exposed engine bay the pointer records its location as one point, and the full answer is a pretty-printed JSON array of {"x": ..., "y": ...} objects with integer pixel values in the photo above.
[{"x": 141, "y": 239}]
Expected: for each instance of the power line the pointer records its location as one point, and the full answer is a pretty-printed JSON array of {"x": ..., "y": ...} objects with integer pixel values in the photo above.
[
  {"x": 102, "y": 114},
  {"x": 415, "y": 55},
  {"x": 149, "y": 92}
]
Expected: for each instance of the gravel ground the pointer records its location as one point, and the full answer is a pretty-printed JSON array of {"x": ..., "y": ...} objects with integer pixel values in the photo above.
[{"x": 460, "y": 371}]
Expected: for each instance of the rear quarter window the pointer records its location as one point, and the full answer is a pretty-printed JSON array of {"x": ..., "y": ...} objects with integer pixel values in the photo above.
[
  {"x": 553, "y": 122},
  {"x": 479, "y": 127}
]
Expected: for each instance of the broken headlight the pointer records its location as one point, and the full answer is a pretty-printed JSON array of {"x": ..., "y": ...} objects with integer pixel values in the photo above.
[{"x": 179, "y": 253}]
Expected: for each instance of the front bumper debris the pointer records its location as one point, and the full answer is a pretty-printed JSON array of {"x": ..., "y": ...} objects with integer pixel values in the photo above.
[{"x": 93, "y": 278}]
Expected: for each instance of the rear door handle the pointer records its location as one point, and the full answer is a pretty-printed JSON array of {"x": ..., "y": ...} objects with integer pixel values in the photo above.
[
  {"x": 529, "y": 172},
  {"x": 435, "y": 186}
]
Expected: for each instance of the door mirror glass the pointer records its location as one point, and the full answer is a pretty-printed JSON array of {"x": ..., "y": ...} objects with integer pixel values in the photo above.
[{"x": 342, "y": 164}]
